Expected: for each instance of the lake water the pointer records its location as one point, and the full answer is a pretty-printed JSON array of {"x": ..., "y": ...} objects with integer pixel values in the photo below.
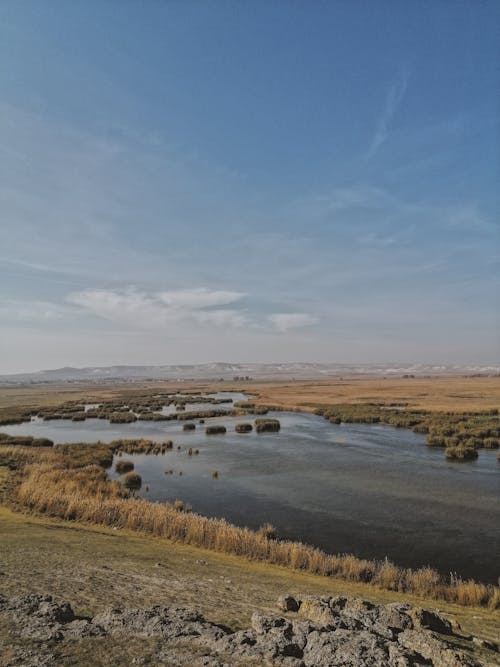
[{"x": 371, "y": 490}]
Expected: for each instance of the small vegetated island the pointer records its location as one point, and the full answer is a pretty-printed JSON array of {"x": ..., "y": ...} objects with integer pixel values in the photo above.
[
  {"x": 243, "y": 427},
  {"x": 267, "y": 425}
]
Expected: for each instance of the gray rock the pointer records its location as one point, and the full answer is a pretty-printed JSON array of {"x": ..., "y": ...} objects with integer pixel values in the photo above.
[
  {"x": 430, "y": 620},
  {"x": 167, "y": 622},
  {"x": 287, "y": 603},
  {"x": 316, "y": 632},
  {"x": 434, "y": 649}
]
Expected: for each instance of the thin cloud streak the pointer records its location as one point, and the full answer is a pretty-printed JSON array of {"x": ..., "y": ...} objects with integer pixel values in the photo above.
[{"x": 393, "y": 101}]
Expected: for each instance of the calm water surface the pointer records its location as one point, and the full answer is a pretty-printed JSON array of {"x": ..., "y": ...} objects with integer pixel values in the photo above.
[{"x": 371, "y": 490}]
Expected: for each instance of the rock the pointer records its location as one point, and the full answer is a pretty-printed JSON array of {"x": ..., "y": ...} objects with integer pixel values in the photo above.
[
  {"x": 317, "y": 631},
  {"x": 344, "y": 648},
  {"x": 39, "y": 616},
  {"x": 167, "y": 622},
  {"x": 287, "y": 603},
  {"x": 484, "y": 643},
  {"x": 435, "y": 650},
  {"x": 83, "y": 628},
  {"x": 429, "y": 620}
]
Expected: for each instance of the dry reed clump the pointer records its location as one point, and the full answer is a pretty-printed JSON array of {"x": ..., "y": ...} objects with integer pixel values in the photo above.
[
  {"x": 181, "y": 506},
  {"x": 122, "y": 418},
  {"x": 122, "y": 467},
  {"x": 215, "y": 429},
  {"x": 267, "y": 425},
  {"x": 84, "y": 493},
  {"x": 24, "y": 440},
  {"x": 140, "y": 446},
  {"x": 81, "y": 454},
  {"x": 132, "y": 480},
  {"x": 267, "y": 531},
  {"x": 244, "y": 427},
  {"x": 16, "y": 457},
  {"x": 462, "y": 452},
  {"x": 206, "y": 414},
  {"x": 147, "y": 415},
  {"x": 13, "y": 415}
]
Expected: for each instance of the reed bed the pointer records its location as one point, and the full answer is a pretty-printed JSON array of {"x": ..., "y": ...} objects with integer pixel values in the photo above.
[
  {"x": 24, "y": 440},
  {"x": 461, "y": 434},
  {"x": 54, "y": 487}
]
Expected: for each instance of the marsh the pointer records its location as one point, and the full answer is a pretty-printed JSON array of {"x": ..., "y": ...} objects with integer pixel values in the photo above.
[{"x": 371, "y": 490}]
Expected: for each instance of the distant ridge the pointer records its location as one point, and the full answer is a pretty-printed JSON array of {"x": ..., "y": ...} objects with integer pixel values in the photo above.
[{"x": 228, "y": 371}]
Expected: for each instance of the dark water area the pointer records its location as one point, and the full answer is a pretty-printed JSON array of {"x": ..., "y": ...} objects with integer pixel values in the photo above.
[{"x": 370, "y": 490}]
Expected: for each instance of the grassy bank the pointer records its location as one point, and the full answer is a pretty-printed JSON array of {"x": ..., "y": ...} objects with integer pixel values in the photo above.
[
  {"x": 71, "y": 483},
  {"x": 98, "y": 567}
]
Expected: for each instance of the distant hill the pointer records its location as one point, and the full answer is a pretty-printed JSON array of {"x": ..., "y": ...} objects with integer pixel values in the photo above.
[{"x": 242, "y": 371}]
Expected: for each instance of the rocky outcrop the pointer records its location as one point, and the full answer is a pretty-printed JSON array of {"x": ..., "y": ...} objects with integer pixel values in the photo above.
[{"x": 307, "y": 632}]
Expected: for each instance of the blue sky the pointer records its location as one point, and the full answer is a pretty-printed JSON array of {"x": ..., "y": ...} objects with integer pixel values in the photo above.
[{"x": 265, "y": 181}]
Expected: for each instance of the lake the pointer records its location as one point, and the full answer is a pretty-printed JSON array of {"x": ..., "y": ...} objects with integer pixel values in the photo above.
[{"x": 371, "y": 490}]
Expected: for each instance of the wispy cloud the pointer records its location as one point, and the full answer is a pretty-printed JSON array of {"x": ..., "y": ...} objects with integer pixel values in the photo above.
[
  {"x": 393, "y": 101},
  {"x": 285, "y": 321},
  {"x": 139, "y": 309}
]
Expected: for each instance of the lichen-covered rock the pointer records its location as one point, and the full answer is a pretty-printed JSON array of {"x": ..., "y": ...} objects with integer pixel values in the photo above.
[
  {"x": 38, "y": 616},
  {"x": 434, "y": 649},
  {"x": 314, "y": 632},
  {"x": 429, "y": 620},
  {"x": 345, "y": 648},
  {"x": 168, "y": 622}
]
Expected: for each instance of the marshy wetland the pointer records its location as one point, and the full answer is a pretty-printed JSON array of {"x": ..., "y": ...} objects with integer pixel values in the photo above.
[{"x": 363, "y": 488}]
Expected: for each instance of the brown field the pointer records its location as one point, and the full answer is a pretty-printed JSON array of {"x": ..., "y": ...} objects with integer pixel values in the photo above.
[{"x": 436, "y": 393}]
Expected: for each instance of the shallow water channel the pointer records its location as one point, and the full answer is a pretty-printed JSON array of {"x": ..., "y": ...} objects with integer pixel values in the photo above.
[{"x": 371, "y": 490}]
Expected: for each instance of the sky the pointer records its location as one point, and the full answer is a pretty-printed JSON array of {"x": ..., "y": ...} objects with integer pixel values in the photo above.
[{"x": 187, "y": 182}]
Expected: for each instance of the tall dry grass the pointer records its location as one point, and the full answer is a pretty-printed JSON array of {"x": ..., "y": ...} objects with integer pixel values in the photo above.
[{"x": 53, "y": 487}]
